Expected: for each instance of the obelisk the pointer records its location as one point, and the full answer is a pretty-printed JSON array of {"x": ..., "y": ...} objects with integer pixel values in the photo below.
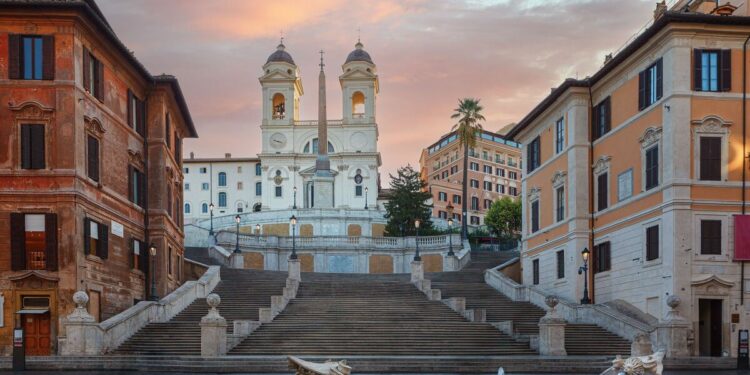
[{"x": 323, "y": 178}]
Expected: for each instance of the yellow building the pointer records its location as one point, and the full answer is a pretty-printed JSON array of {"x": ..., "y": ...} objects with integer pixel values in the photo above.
[{"x": 642, "y": 163}]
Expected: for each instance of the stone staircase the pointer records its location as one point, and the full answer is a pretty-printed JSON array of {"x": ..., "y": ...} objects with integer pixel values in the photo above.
[
  {"x": 580, "y": 339},
  {"x": 242, "y": 293},
  {"x": 200, "y": 255},
  {"x": 349, "y": 315}
]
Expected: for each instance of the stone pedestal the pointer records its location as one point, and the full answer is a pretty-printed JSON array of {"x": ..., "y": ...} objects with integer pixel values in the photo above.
[
  {"x": 213, "y": 330},
  {"x": 451, "y": 263},
  {"x": 323, "y": 197},
  {"x": 641, "y": 346},
  {"x": 237, "y": 261},
  {"x": 417, "y": 271},
  {"x": 552, "y": 331},
  {"x": 672, "y": 333},
  {"x": 82, "y": 333},
  {"x": 295, "y": 270}
]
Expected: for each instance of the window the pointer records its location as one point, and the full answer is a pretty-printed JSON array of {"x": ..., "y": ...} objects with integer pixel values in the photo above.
[
  {"x": 314, "y": 142},
  {"x": 31, "y": 57},
  {"x": 222, "y": 179},
  {"x": 487, "y": 169},
  {"x": 513, "y": 191},
  {"x": 204, "y": 208},
  {"x": 560, "y": 203},
  {"x": 444, "y": 175},
  {"x": 559, "y": 135},
  {"x": 652, "y": 167},
  {"x": 602, "y": 257},
  {"x": 168, "y": 131},
  {"x": 442, "y": 196},
  {"x": 487, "y": 203},
  {"x": 534, "y": 155},
  {"x": 258, "y": 169},
  {"x": 203, "y": 170},
  {"x": 186, "y": 170},
  {"x": 137, "y": 115},
  {"x": 92, "y": 151},
  {"x": 710, "y": 158},
  {"x": 561, "y": 264},
  {"x": 187, "y": 208},
  {"x": 625, "y": 185},
  {"x": 474, "y": 220},
  {"x": 500, "y": 172},
  {"x": 136, "y": 186},
  {"x": 456, "y": 199},
  {"x": 95, "y": 236},
  {"x": 32, "y": 146},
  {"x": 513, "y": 175},
  {"x": 474, "y": 203},
  {"x": 139, "y": 253},
  {"x": 258, "y": 188},
  {"x": 169, "y": 201},
  {"x": 711, "y": 237},
  {"x": 240, "y": 207},
  {"x": 474, "y": 184},
  {"x": 602, "y": 119},
  {"x": 442, "y": 214},
  {"x": 652, "y": 243},
  {"x": 650, "y": 85},
  {"x": 93, "y": 75},
  {"x": 474, "y": 166},
  {"x": 712, "y": 70},
  {"x": 454, "y": 169},
  {"x": 204, "y": 186},
  {"x": 169, "y": 260},
  {"x": 358, "y": 190},
  {"x": 500, "y": 188},
  {"x": 488, "y": 185},
  {"x": 222, "y": 199},
  {"x": 358, "y": 105},
  {"x": 534, "y": 216},
  {"x": 535, "y": 271},
  {"x": 602, "y": 191},
  {"x": 239, "y": 169},
  {"x": 239, "y": 185},
  {"x": 279, "y": 104},
  {"x": 278, "y": 192},
  {"x": 33, "y": 241}
]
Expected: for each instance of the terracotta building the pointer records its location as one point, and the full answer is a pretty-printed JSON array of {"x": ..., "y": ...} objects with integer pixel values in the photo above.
[
  {"x": 643, "y": 164},
  {"x": 494, "y": 172},
  {"x": 90, "y": 170}
]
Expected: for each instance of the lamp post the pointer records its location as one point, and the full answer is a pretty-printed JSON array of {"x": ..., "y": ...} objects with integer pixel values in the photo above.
[
  {"x": 257, "y": 233},
  {"x": 366, "y": 189},
  {"x": 237, "y": 235},
  {"x": 293, "y": 221},
  {"x": 211, "y": 211},
  {"x": 152, "y": 251},
  {"x": 294, "y": 205},
  {"x": 450, "y": 238},
  {"x": 584, "y": 269},
  {"x": 417, "y": 258}
]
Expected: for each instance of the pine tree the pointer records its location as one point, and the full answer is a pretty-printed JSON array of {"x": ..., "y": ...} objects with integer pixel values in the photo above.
[{"x": 407, "y": 203}]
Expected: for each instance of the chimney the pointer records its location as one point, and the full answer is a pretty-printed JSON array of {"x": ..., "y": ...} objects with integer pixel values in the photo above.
[
  {"x": 661, "y": 8},
  {"x": 192, "y": 155},
  {"x": 227, "y": 156},
  {"x": 607, "y": 58}
]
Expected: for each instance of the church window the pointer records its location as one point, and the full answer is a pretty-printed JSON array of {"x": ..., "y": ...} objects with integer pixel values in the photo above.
[
  {"x": 358, "y": 105},
  {"x": 204, "y": 208},
  {"x": 314, "y": 143},
  {"x": 258, "y": 188},
  {"x": 257, "y": 169},
  {"x": 278, "y": 192},
  {"x": 222, "y": 199},
  {"x": 222, "y": 179},
  {"x": 279, "y": 106}
]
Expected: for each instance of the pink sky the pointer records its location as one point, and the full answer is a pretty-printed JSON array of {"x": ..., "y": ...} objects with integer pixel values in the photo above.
[{"x": 429, "y": 53}]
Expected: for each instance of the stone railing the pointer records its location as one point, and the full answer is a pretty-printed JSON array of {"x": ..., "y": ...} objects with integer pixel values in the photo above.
[
  {"x": 86, "y": 337},
  {"x": 196, "y": 236},
  {"x": 603, "y": 316},
  {"x": 228, "y": 239},
  {"x": 304, "y": 215},
  {"x": 315, "y": 122},
  {"x": 464, "y": 256},
  {"x": 220, "y": 254}
]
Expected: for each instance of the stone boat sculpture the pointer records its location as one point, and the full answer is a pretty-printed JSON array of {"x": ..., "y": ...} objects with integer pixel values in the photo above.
[
  {"x": 646, "y": 365},
  {"x": 329, "y": 367}
]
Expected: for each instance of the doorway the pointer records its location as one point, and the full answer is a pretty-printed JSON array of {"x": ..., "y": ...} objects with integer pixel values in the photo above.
[
  {"x": 710, "y": 327},
  {"x": 36, "y": 328}
]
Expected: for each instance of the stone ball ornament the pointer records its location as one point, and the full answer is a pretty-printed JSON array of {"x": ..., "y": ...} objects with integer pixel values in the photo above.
[
  {"x": 213, "y": 300},
  {"x": 673, "y": 301},
  {"x": 551, "y": 301},
  {"x": 80, "y": 298}
]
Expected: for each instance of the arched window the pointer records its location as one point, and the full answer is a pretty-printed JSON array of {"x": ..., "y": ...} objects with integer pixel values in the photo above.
[
  {"x": 256, "y": 207},
  {"x": 314, "y": 142},
  {"x": 222, "y": 179},
  {"x": 222, "y": 199},
  {"x": 187, "y": 208},
  {"x": 279, "y": 106},
  {"x": 258, "y": 188},
  {"x": 204, "y": 208},
  {"x": 257, "y": 169},
  {"x": 358, "y": 105}
]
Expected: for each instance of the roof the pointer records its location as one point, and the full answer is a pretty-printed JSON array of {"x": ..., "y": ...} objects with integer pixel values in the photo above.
[
  {"x": 219, "y": 160},
  {"x": 90, "y": 9},
  {"x": 494, "y": 135},
  {"x": 359, "y": 54},
  {"x": 280, "y": 55},
  {"x": 666, "y": 19}
]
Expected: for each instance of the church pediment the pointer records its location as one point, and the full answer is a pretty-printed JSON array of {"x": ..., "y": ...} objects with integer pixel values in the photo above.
[
  {"x": 357, "y": 73},
  {"x": 277, "y": 75},
  {"x": 310, "y": 171}
]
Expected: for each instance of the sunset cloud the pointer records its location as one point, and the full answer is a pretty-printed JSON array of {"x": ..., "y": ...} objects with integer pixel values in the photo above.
[{"x": 429, "y": 54}]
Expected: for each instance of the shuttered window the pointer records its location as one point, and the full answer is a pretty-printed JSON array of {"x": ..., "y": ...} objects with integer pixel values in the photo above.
[
  {"x": 33, "y": 241},
  {"x": 168, "y": 130},
  {"x": 92, "y": 163},
  {"x": 136, "y": 186},
  {"x": 602, "y": 119},
  {"x": 711, "y": 237},
  {"x": 93, "y": 75},
  {"x": 137, "y": 251},
  {"x": 602, "y": 257},
  {"x": 712, "y": 70},
  {"x": 534, "y": 216},
  {"x": 137, "y": 114},
  {"x": 560, "y": 201},
  {"x": 602, "y": 190},
  {"x": 535, "y": 271},
  {"x": 650, "y": 85},
  {"x": 534, "y": 155},
  {"x": 652, "y": 242},
  {"x": 32, "y": 146},
  {"x": 31, "y": 57},
  {"x": 652, "y": 167},
  {"x": 95, "y": 238},
  {"x": 561, "y": 264},
  {"x": 710, "y": 158}
]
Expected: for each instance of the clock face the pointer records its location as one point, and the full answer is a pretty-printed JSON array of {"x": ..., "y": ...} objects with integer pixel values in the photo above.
[{"x": 278, "y": 140}]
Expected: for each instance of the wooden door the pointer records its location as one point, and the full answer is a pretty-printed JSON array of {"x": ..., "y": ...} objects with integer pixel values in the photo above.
[{"x": 36, "y": 328}]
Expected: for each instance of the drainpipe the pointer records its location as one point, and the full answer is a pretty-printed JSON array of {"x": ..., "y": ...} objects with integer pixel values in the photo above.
[
  {"x": 591, "y": 190},
  {"x": 147, "y": 241},
  {"x": 744, "y": 155}
]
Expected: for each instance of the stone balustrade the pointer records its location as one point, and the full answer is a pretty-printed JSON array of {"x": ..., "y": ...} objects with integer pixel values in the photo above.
[{"x": 228, "y": 239}]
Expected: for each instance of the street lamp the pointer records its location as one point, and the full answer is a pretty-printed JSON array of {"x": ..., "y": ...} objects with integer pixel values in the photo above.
[
  {"x": 584, "y": 269},
  {"x": 293, "y": 221},
  {"x": 211, "y": 211},
  {"x": 257, "y": 233},
  {"x": 450, "y": 237},
  {"x": 152, "y": 251},
  {"x": 366, "y": 189},
  {"x": 237, "y": 243},
  {"x": 417, "y": 258},
  {"x": 294, "y": 205}
]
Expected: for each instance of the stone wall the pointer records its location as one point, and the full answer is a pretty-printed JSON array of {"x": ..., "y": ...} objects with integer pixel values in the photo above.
[{"x": 381, "y": 264}]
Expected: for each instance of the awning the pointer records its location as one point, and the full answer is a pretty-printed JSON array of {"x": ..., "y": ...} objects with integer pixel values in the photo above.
[{"x": 33, "y": 311}]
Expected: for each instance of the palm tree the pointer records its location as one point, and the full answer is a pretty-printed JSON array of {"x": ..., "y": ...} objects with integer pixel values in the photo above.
[{"x": 469, "y": 114}]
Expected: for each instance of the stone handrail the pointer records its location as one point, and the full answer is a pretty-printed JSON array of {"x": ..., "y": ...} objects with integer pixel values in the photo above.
[
  {"x": 464, "y": 256},
  {"x": 304, "y": 215},
  {"x": 612, "y": 320},
  {"x": 219, "y": 254},
  {"x": 316, "y": 242},
  {"x": 111, "y": 333}
]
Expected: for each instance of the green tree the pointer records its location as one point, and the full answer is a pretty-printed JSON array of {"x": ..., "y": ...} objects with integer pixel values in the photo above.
[
  {"x": 469, "y": 114},
  {"x": 504, "y": 217},
  {"x": 407, "y": 203}
]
